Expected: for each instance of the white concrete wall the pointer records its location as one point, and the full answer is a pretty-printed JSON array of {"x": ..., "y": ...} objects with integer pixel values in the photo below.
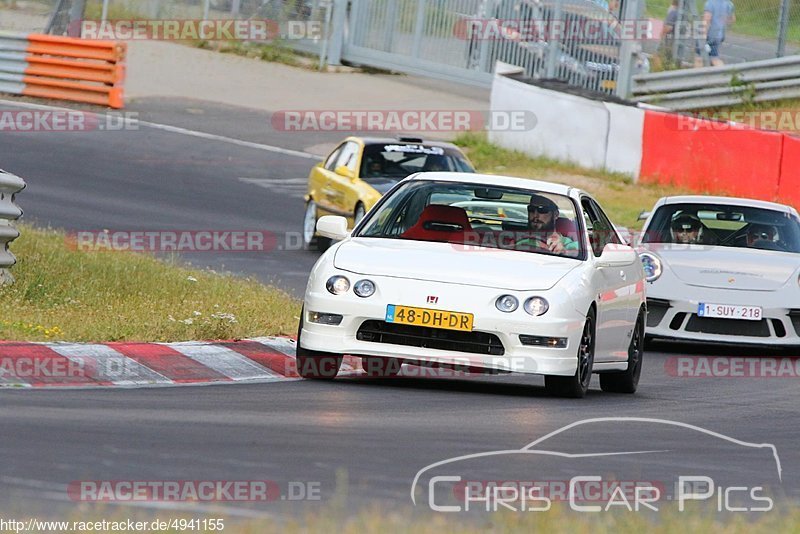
[{"x": 569, "y": 128}]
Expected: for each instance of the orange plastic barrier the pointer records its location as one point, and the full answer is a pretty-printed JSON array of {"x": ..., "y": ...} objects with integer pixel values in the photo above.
[
  {"x": 789, "y": 184},
  {"x": 704, "y": 155},
  {"x": 80, "y": 70},
  {"x": 112, "y": 51}
]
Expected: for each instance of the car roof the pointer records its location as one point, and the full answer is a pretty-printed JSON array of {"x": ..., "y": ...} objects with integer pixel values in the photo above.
[
  {"x": 396, "y": 141},
  {"x": 731, "y": 201},
  {"x": 501, "y": 181}
]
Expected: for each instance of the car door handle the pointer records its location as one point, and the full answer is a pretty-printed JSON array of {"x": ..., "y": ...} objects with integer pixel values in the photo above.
[{"x": 623, "y": 275}]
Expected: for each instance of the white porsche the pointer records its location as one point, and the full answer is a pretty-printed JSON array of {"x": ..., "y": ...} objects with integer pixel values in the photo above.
[
  {"x": 486, "y": 272},
  {"x": 723, "y": 270}
]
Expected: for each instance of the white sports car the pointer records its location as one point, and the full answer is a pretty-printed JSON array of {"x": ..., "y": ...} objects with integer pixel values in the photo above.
[
  {"x": 722, "y": 269},
  {"x": 486, "y": 272}
]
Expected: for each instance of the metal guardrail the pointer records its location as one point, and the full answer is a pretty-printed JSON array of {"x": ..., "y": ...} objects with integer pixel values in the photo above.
[
  {"x": 10, "y": 185},
  {"x": 707, "y": 87}
]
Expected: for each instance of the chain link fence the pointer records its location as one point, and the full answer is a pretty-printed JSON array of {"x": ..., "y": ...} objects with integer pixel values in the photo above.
[{"x": 762, "y": 29}]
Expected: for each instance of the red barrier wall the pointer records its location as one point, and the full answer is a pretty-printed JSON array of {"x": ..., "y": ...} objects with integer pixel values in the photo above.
[
  {"x": 703, "y": 155},
  {"x": 789, "y": 184}
]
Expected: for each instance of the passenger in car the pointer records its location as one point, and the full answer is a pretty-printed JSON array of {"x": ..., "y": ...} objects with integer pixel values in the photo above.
[{"x": 760, "y": 235}]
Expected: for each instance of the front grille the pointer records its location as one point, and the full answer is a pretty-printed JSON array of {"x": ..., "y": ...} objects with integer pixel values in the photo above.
[
  {"x": 656, "y": 309},
  {"x": 727, "y": 327},
  {"x": 794, "y": 315},
  {"x": 430, "y": 338}
]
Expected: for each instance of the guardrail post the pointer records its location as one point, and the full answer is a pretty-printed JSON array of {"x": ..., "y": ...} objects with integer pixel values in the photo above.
[
  {"x": 389, "y": 26},
  {"x": 337, "y": 35},
  {"x": 75, "y": 18},
  {"x": 783, "y": 26},
  {"x": 10, "y": 185},
  {"x": 419, "y": 27},
  {"x": 554, "y": 48},
  {"x": 628, "y": 48}
]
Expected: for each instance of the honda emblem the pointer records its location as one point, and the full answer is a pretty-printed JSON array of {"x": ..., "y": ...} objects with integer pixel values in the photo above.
[{"x": 432, "y": 299}]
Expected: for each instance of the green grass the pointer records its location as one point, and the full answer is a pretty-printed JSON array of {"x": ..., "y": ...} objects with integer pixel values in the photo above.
[
  {"x": 274, "y": 52},
  {"x": 116, "y": 11},
  {"x": 70, "y": 295},
  {"x": 335, "y": 516},
  {"x": 622, "y": 199}
]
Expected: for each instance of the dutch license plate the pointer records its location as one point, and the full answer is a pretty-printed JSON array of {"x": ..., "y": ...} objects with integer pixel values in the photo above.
[
  {"x": 447, "y": 320},
  {"x": 727, "y": 311},
  {"x": 608, "y": 84}
]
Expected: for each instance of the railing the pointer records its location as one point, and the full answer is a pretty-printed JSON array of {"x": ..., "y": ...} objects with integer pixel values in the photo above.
[
  {"x": 63, "y": 68},
  {"x": 707, "y": 87},
  {"x": 10, "y": 185}
]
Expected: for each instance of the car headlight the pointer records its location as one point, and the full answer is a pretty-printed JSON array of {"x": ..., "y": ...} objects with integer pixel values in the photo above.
[
  {"x": 651, "y": 265},
  {"x": 364, "y": 288},
  {"x": 337, "y": 285},
  {"x": 506, "y": 303},
  {"x": 536, "y": 306}
]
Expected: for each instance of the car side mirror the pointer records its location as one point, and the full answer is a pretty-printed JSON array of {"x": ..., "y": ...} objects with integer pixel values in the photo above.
[
  {"x": 615, "y": 255},
  {"x": 643, "y": 216},
  {"x": 333, "y": 226},
  {"x": 343, "y": 170}
]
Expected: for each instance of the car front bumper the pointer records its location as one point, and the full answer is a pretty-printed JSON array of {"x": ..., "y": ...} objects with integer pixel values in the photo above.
[
  {"x": 672, "y": 316},
  {"x": 507, "y": 327}
]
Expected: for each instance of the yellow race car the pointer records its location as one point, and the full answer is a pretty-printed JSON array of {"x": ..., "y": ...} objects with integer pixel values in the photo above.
[{"x": 360, "y": 170}]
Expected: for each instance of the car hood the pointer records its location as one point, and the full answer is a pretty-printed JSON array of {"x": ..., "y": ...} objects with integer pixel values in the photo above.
[
  {"x": 731, "y": 268},
  {"x": 449, "y": 263}
]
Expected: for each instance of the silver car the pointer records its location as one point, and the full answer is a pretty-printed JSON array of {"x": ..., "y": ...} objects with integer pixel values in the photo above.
[{"x": 722, "y": 269}]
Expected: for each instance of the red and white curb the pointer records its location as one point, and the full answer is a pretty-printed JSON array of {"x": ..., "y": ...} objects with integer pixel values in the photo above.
[{"x": 265, "y": 359}]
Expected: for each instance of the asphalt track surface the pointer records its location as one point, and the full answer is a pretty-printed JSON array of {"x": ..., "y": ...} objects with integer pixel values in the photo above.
[{"x": 377, "y": 434}]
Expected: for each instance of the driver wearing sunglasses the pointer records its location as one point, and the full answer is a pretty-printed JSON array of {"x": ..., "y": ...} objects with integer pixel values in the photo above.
[
  {"x": 542, "y": 215},
  {"x": 686, "y": 229}
]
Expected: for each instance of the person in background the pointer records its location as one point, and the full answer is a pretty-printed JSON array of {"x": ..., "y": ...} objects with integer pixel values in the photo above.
[
  {"x": 717, "y": 16},
  {"x": 670, "y": 21}
]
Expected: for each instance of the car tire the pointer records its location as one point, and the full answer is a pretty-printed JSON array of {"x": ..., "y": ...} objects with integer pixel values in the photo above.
[
  {"x": 628, "y": 380},
  {"x": 576, "y": 386},
  {"x": 381, "y": 367},
  {"x": 315, "y": 364},
  {"x": 311, "y": 240}
]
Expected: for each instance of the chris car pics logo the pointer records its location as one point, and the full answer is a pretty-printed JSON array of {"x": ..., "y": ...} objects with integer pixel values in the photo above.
[{"x": 455, "y": 485}]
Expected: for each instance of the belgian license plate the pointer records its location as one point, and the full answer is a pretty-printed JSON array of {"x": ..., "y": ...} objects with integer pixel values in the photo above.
[
  {"x": 727, "y": 311},
  {"x": 447, "y": 320}
]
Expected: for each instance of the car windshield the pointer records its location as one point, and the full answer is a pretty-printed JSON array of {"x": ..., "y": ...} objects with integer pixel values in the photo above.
[
  {"x": 481, "y": 216},
  {"x": 724, "y": 225},
  {"x": 399, "y": 160}
]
